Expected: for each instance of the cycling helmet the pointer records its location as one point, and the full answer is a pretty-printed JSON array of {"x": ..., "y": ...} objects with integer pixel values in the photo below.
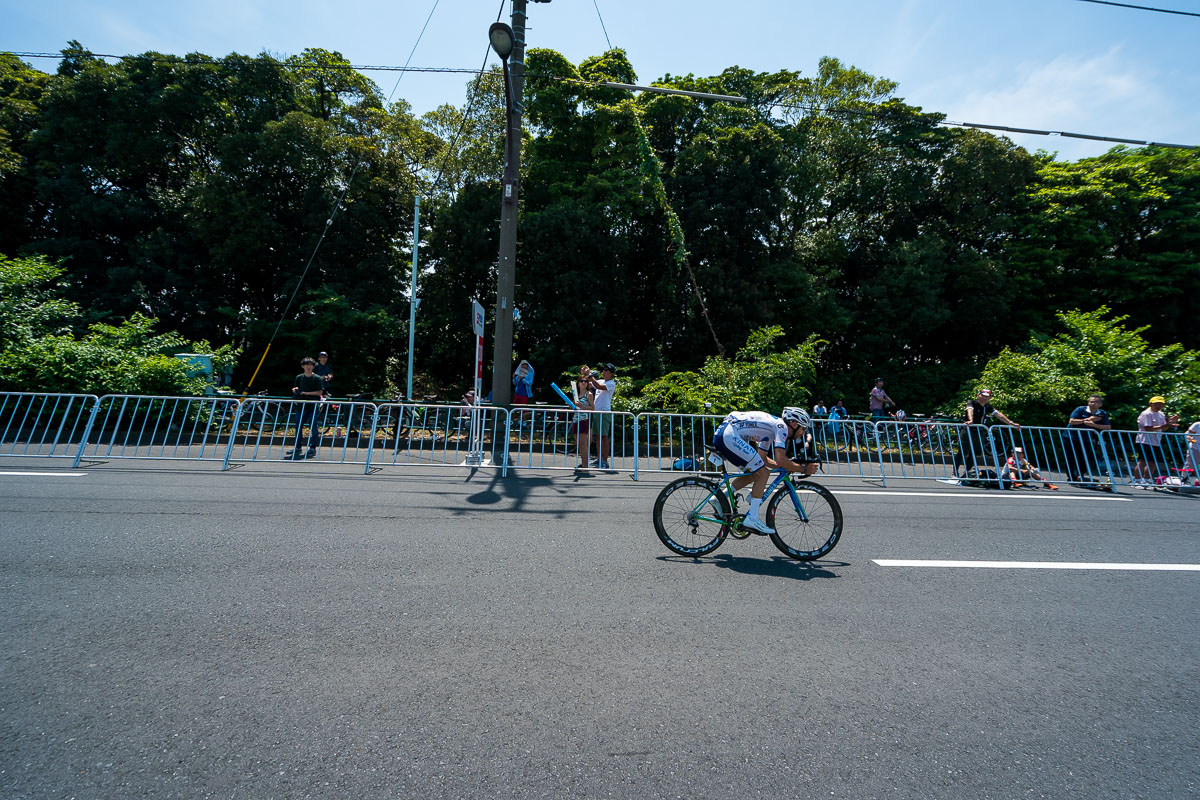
[{"x": 795, "y": 414}]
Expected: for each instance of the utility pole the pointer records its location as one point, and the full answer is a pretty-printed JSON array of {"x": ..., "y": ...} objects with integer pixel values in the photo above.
[{"x": 506, "y": 266}]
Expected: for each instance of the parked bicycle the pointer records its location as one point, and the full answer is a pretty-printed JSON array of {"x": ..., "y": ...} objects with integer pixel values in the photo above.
[{"x": 694, "y": 515}]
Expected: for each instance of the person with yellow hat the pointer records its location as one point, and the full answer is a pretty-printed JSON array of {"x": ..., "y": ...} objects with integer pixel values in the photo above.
[{"x": 1152, "y": 422}]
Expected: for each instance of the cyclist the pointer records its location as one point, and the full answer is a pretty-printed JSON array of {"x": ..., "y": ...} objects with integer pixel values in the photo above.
[{"x": 743, "y": 434}]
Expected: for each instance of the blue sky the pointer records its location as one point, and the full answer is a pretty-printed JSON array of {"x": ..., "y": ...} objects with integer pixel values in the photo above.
[{"x": 1046, "y": 64}]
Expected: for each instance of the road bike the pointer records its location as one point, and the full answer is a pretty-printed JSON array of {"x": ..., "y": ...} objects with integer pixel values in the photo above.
[{"x": 694, "y": 515}]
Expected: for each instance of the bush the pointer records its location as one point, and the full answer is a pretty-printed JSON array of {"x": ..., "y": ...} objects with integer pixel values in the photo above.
[
  {"x": 1042, "y": 382},
  {"x": 40, "y": 353},
  {"x": 755, "y": 378}
]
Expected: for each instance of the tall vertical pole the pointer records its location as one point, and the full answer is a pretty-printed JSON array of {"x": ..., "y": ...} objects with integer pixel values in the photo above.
[
  {"x": 506, "y": 266},
  {"x": 412, "y": 296}
]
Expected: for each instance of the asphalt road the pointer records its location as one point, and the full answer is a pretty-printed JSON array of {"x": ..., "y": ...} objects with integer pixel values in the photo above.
[{"x": 278, "y": 633}]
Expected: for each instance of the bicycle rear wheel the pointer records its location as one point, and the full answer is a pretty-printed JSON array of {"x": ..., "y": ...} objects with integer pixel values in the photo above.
[
  {"x": 691, "y": 516},
  {"x": 808, "y": 528}
]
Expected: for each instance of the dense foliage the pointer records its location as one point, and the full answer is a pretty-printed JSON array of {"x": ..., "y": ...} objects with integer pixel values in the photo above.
[
  {"x": 44, "y": 345},
  {"x": 824, "y": 217},
  {"x": 1040, "y": 382}
]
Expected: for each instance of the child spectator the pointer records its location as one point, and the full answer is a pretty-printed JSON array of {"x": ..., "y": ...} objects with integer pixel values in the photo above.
[{"x": 1020, "y": 471}]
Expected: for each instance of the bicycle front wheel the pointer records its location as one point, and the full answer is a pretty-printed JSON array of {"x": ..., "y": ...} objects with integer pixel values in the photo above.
[
  {"x": 691, "y": 516},
  {"x": 807, "y": 527}
]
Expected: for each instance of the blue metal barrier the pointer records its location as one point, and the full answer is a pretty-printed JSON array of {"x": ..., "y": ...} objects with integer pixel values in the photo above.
[
  {"x": 1151, "y": 458},
  {"x": 226, "y": 429},
  {"x": 160, "y": 428},
  {"x": 412, "y": 434},
  {"x": 330, "y": 432},
  {"x": 36, "y": 425}
]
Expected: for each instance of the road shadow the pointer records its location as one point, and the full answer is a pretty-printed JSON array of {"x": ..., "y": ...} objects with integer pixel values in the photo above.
[
  {"x": 514, "y": 488},
  {"x": 775, "y": 567}
]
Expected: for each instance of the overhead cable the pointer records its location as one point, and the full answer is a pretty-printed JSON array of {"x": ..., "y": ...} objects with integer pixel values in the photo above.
[
  {"x": 337, "y": 206},
  {"x": 602, "y": 25},
  {"x": 832, "y": 111},
  {"x": 1143, "y": 8}
]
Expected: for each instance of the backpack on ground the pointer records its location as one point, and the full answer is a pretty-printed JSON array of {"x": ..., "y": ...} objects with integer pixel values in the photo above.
[{"x": 983, "y": 478}]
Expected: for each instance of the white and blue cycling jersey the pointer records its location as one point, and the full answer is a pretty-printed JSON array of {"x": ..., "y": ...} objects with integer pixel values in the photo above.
[{"x": 742, "y": 434}]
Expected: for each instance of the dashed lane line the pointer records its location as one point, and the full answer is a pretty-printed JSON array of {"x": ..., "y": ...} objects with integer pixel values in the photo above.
[
  {"x": 903, "y": 562},
  {"x": 46, "y": 474},
  {"x": 1006, "y": 495}
]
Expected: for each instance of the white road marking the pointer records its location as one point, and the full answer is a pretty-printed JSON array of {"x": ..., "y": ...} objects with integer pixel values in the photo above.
[
  {"x": 901, "y": 562},
  {"x": 48, "y": 474},
  {"x": 1047, "y": 496}
]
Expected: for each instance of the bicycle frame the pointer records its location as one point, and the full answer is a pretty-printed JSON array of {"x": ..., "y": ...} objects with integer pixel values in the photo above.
[{"x": 782, "y": 476}]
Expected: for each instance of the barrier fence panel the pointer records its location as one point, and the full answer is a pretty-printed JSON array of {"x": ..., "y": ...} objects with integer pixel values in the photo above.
[
  {"x": 1075, "y": 456},
  {"x": 557, "y": 437},
  {"x": 920, "y": 449},
  {"x": 849, "y": 448},
  {"x": 1152, "y": 458},
  {"x": 44, "y": 425},
  {"x": 439, "y": 435},
  {"x": 666, "y": 442},
  {"x": 160, "y": 428},
  {"x": 329, "y": 432}
]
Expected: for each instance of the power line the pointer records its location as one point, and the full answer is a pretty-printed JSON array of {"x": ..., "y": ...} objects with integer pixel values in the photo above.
[
  {"x": 177, "y": 60},
  {"x": 462, "y": 123},
  {"x": 1143, "y": 8},
  {"x": 602, "y": 25},
  {"x": 337, "y": 206},
  {"x": 831, "y": 111}
]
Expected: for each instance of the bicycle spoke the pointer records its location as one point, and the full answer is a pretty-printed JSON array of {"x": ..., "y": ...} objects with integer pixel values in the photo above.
[
  {"x": 689, "y": 516},
  {"x": 808, "y": 526}
]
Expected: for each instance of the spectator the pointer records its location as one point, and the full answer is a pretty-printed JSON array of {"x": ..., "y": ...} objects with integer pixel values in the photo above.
[
  {"x": 1193, "y": 458},
  {"x": 523, "y": 384},
  {"x": 1152, "y": 422},
  {"x": 325, "y": 372},
  {"x": 879, "y": 400},
  {"x": 819, "y": 409},
  {"x": 467, "y": 401},
  {"x": 836, "y": 414},
  {"x": 582, "y": 423},
  {"x": 1019, "y": 471},
  {"x": 602, "y": 420},
  {"x": 307, "y": 390},
  {"x": 975, "y": 437},
  {"x": 1080, "y": 445}
]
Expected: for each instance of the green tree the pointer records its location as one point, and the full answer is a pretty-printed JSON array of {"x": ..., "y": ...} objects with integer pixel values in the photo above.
[
  {"x": 21, "y": 89},
  {"x": 759, "y": 376},
  {"x": 1092, "y": 352},
  {"x": 40, "y": 352},
  {"x": 1122, "y": 229}
]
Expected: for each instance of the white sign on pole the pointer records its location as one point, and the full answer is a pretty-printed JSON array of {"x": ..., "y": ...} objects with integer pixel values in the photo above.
[
  {"x": 478, "y": 318},
  {"x": 475, "y": 454}
]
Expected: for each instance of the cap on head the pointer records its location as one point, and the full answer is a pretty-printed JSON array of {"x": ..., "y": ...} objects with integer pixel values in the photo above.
[
  {"x": 322, "y": 354},
  {"x": 1158, "y": 399},
  {"x": 985, "y": 392},
  {"x": 609, "y": 368}
]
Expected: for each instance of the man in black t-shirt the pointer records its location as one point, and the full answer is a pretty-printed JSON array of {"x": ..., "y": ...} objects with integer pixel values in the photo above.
[
  {"x": 975, "y": 441},
  {"x": 308, "y": 389}
]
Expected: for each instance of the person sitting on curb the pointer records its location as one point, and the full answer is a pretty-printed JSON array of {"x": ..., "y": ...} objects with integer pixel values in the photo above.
[{"x": 1020, "y": 471}]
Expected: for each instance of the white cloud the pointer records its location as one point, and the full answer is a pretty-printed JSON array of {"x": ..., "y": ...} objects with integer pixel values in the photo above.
[{"x": 1103, "y": 95}]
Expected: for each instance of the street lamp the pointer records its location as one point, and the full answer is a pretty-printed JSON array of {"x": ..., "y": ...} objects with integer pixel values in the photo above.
[
  {"x": 509, "y": 44},
  {"x": 501, "y": 37},
  {"x": 504, "y": 41}
]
